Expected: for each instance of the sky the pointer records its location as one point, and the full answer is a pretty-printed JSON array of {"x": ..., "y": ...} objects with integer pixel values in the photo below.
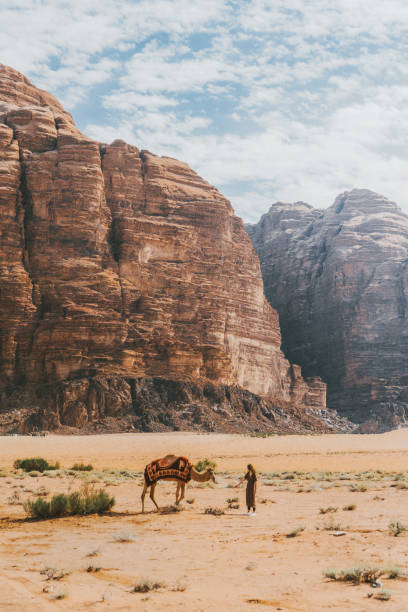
[{"x": 268, "y": 100}]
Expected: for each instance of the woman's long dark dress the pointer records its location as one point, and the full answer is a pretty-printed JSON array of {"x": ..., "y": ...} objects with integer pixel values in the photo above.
[{"x": 251, "y": 479}]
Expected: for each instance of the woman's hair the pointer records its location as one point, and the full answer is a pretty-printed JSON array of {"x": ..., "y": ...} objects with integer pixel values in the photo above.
[{"x": 251, "y": 468}]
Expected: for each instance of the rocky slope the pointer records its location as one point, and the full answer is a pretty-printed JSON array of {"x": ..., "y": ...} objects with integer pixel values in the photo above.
[
  {"x": 120, "y": 269},
  {"x": 339, "y": 280}
]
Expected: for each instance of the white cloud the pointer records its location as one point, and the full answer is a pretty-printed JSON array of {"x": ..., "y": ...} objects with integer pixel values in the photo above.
[{"x": 291, "y": 99}]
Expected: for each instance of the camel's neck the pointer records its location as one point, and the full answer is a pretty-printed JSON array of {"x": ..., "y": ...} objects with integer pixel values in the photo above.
[{"x": 200, "y": 476}]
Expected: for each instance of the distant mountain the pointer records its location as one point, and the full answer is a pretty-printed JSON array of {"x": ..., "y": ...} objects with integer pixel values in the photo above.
[
  {"x": 339, "y": 281},
  {"x": 130, "y": 294}
]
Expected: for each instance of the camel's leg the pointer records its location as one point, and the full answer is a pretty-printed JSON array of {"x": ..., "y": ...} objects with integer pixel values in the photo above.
[
  {"x": 177, "y": 492},
  {"x": 152, "y": 489},
  {"x": 183, "y": 488},
  {"x": 144, "y": 495}
]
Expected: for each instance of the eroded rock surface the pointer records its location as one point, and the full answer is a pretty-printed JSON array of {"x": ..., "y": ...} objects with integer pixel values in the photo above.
[
  {"x": 339, "y": 280},
  {"x": 118, "y": 266}
]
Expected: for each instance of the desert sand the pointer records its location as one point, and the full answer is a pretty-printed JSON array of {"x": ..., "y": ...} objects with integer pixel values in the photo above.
[{"x": 206, "y": 562}]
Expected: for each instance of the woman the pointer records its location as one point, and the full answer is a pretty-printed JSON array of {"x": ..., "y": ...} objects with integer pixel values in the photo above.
[{"x": 251, "y": 479}]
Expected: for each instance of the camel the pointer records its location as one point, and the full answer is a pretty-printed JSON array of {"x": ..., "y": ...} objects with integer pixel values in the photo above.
[{"x": 172, "y": 467}]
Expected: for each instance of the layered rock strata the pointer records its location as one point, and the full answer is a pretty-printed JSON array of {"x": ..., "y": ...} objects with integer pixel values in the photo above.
[
  {"x": 339, "y": 280},
  {"x": 118, "y": 267}
]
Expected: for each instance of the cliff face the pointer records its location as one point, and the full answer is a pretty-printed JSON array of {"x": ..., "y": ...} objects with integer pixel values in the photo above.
[
  {"x": 339, "y": 280},
  {"x": 116, "y": 267}
]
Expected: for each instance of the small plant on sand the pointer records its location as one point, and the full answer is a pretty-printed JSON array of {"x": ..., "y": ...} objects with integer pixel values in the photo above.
[
  {"x": 328, "y": 509},
  {"x": 172, "y": 509},
  {"x": 53, "y": 573},
  {"x": 60, "y": 595},
  {"x": 393, "y": 572},
  {"x": 35, "y": 464},
  {"x": 395, "y": 528},
  {"x": 295, "y": 532},
  {"x": 232, "y": 503},
  {"x": 356, "y": 575},
  {"x": 332, "y": 525},
  {"x": 204, "y": 464},
  {"x": 358, "y": 487},
  {"x": 144, "y": 586},
  {"x": 383, "y": 595},
  {"x": 350, "y": 507},
  {"x": 179, "y": 587},
  {"x": 232, "y": 500},
  {"x": 41, "y": 492},
  {"x": 214, "y": 511},
  {"x": 81, "y": 467},
  {"x": 15, "y": 499},
  {"x": 124, "y": 536},
  {"x": 190, "y": 501}
]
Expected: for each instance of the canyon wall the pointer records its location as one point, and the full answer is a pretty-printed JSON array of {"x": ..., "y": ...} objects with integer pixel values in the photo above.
[
  {"x": 124, "y": 275},
  {"x": 339, "y": 280}
]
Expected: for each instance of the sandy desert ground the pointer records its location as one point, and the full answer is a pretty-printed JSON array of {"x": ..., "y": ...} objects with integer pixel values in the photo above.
[{"x": 206, "y": 562}]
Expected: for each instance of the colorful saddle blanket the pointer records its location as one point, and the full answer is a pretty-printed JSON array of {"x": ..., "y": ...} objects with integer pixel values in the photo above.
[{"x": 159, "y": 469}]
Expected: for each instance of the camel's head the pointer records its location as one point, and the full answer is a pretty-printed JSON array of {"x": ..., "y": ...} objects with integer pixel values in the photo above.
[{"x": 211, "y": 474}]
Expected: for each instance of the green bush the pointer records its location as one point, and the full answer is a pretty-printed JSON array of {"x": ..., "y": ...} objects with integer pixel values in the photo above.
[
  {"x": 87, "y": 501},
  {"x": 40, "y": 508},
  {"x": 59, "y": 505},
  {"x": 205, "y": 464},
  {"x": 35, "y": 464},
  {"x": 81, "y": 467}
]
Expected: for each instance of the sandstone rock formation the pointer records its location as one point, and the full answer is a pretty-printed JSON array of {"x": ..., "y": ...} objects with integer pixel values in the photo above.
[
  {"x": 125, "y": 276},
  {"x": 339, "y": 280}
]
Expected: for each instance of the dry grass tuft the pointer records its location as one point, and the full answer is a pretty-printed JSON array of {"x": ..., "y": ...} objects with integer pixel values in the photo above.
[
  {"x": 145, "y": 586},
  {"x": 214, "y": 511},
  {"x": 395, "y": 528},
  {"x": 295, "y": 532}
]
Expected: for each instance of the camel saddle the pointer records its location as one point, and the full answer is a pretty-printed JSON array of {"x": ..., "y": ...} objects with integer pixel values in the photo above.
[{"x": 169, "y": 467}]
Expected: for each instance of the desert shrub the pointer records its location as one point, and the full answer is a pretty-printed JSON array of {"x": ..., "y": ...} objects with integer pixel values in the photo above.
[
  {"x": 40, "y": 508},
  {"x": 53, "y": 573},
  {"x": 60, "y": 595},
  {"x": 332, "y": 525},
  {"x": 393, "y": 572},
  {"x": 87, "y": 501},
  {"x": 396, "y": 528},
  {"x": 232, "y": 500},
  {"x": 350, "y": 507},
  {"x": 172, "y": 509},
  {"x": 81, "y": 467},
  {"x": 204, "y": 464},
  {"x": 124, "y": 536},
  {"x": 90, "y": 501},
  {"x": 328, "y": 509},
  {"x": 358, "y": 488},
  {"x": 35, "y": 464},
  {"x": 295, "y": 532},
  {"x": 214, "y": 511},
  {"x": 59, "y": 505},
  {"x": 144, "y": 586},
  {"x": 383, "y": 595},
  {"x": 356, "y": 575}
]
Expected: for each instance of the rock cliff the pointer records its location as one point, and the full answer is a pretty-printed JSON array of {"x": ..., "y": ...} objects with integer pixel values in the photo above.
[
  {"x": 339, "y": 280},
  {"x": 130, "y": 294}
]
